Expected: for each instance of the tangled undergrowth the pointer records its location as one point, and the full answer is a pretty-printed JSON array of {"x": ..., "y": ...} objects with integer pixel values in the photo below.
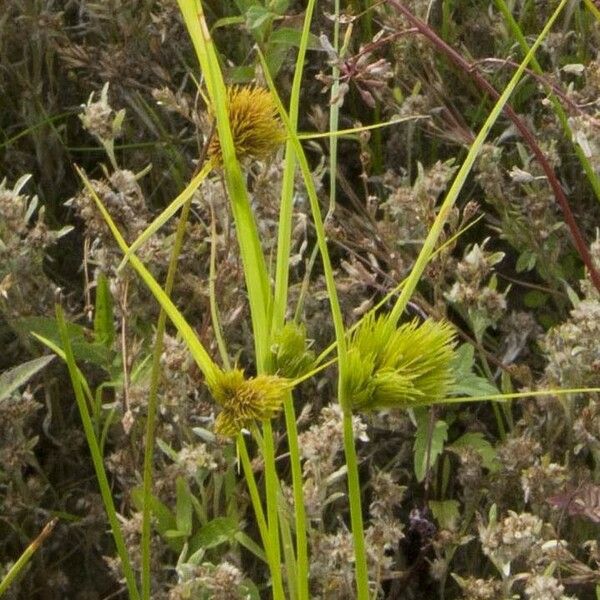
[{"x": 456, "y": 492}]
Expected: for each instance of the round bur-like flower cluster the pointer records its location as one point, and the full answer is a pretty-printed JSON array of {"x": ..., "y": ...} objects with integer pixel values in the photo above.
[
  {"x": 255, "y": 127},
  {"x": 399, "y": 367},
  {"x": 245, "y": 400}
]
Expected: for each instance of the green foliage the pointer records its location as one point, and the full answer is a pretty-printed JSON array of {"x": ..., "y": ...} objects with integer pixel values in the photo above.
[
  {"x": 12, "y": 379},
  {"x": 476, "y": 441},
  {"x": 94, "y": 352},
  {"x": 446, "y": 513},
  {"x": 430, "y": 438},
  {"x": 466, "y": 382},
  {"x": 104, "y": 324},
  {"x": 191, "y": 497}
]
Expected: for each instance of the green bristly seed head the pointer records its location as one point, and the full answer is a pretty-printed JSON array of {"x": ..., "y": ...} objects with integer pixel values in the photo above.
[
  {"x": 399, "y": 367},
  {"x": 255, "y": 126},
  {"x": 245, "y": 400},
  {"x": 290, "y": 352}
]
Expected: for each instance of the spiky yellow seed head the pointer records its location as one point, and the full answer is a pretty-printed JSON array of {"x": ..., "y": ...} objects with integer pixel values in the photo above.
[
  {"x": 399, "y": 367},
  {"x": 244, "y": 400},
  {"x": 255, "y": 126}
]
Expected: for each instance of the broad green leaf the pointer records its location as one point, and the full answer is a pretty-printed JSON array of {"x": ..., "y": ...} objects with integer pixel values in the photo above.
[
  {"x": 535, "y": 299},
  {"x": 183, "y": 513},
  {"x": 525, "y": 262},
  {"x": 429, "y": 442},
  {"x": 279, "y": 6},
  {"x": 241, "y": 74},
  {"x": 467, "y": 383},
  {"x": 14, "y": 378},
  {"x": 292, "y": 37},
  {"x": 244, "y": 5},
  {"x": 104, "y": 325},
  {"x": 164, "y": 517},
  {"x": 251, "y": 591},
  {"x": 257, "y": 16},
  {"x": 476, "y": 441},
  {"x": 445, "y": 512},
  {"x": 83, "y": 350},
  {"x": 214, "y": 533}
]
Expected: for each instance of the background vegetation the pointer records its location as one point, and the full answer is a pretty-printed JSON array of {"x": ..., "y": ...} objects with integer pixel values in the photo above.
[{"x": 475, "y": 500}]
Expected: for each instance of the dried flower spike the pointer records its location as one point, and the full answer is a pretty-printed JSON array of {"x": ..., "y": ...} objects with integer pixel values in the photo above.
[
  {"x": 399, "y": 367},
  {"x": 255, "y": 127},
  {"x": 245, "y": 400}
]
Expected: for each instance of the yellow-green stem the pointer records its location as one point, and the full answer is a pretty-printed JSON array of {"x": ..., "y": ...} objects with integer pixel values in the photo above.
[
  {"x": 280, "y": 300},
  {"x": 354, "y": 497},
  {"x": 299, "y": 510},
  {"x": 254, "y": 496},
  {"x": 272, "y": 492},
  {"x": 340, "y": 336},
  {"x": 153, "y": 402}
]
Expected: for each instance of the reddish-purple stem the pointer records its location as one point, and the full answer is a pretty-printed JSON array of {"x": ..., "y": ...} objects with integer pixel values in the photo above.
[{"x": 527, "y": 135}]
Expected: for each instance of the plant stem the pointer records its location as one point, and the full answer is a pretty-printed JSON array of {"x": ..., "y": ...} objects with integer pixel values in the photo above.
[
  {"x": 341, "y": 342},
  {"x": 25, "y": 557},
  {"x": 272, "y": 493},
  {"x": 153, "y": 402},
  {"x": 212, "y": 278},
  {"x": 299, "y": 510},
  {"x": 354, "y": 497},
  {"x": 280, "y": 301},
  {"x": 254, "y": 495}
]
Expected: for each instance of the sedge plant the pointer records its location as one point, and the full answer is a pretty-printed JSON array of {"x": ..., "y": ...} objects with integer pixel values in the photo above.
[
  {"x": 380, "y": 365},
  {"x": 346, "y": 388}
]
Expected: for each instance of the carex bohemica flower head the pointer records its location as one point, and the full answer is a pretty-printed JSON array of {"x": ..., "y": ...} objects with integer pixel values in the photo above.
[
  {"x": 244, "y": 400},
  {"x": 255, "y": 126},
  {"x": 399, "y": 367}
]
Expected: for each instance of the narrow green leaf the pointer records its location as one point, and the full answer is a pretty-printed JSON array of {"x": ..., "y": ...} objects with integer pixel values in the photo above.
[
  {"x": 104, "y": 324},
  {"x": 166, "y": 214},
  {"x": 248, "y": 543},
  {"x": 102, "y": 479},
  {"x": 429, "y": 442},
  {"x": 201, "y": 356},
  {"x": 12, "y": 379},
  {"x": 461, "y": 177},
  {"x": 183, "y": 512},
  {"x": 214, "y": 533}
]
